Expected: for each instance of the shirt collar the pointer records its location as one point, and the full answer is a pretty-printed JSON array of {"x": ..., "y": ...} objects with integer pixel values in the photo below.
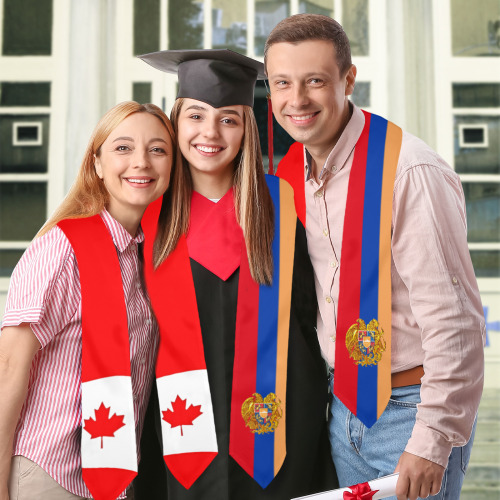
[
  {"x": 343, "y": 148},
  {"x": 121, "y": 237}
]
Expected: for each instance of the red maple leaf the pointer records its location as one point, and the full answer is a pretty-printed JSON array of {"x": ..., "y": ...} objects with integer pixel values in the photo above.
[
  {"x": 103, "y": 425},
  {"x": 181, "y": 415}
]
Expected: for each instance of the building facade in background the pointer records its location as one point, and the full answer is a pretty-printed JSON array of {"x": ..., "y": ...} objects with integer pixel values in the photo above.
[{"x": 431, "y": 66}]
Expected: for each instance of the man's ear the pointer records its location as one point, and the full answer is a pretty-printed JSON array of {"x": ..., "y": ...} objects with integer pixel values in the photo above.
[{"x": 350, "y": 80}]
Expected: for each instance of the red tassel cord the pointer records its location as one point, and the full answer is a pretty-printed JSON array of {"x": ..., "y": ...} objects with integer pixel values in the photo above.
[{"x": 270, "y": 149}]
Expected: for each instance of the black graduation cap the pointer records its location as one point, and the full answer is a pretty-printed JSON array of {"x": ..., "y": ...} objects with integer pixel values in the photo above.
[{"x": 219, "y": 77}]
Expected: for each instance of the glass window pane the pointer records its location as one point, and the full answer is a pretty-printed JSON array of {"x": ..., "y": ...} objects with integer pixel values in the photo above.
[
  {"x": 185, "y": 24},
  {"x": 477, "y": 144},
  {"x": 27, "y": 27},
  {"x": 361, "y": 94},
  {"x": 8, "y": 261},
  {"x": 23, "y": 158},
  {"x": 483, "y": 211},
  {"x": 324, "y": 7},
  {"x": 355, "y": 24},
  {"x": 146, "y": 26},
  {"x": 141, "y": 92},
  {"x": 268, "y": 13},
  {"x": 486, "y": 263},
  {"x": 22, "y": 209},
  {"x": 476, "y": 95},
  {"x": 24, "y": 94},
  {"x": 229, "y": 25},
  {"x": 475, "y": 29}
]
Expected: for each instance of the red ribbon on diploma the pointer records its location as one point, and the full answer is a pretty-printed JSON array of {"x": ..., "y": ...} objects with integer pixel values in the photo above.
[{"x": 360, "y": 491}]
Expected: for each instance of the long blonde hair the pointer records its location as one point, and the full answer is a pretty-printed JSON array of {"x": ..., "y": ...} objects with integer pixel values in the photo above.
[
  {"x": 253, "y": 204},
  {"x": 88, "y": 196}
]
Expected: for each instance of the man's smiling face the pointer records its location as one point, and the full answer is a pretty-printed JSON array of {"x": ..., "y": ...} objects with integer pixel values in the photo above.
[{"x": 309, "y": 95}]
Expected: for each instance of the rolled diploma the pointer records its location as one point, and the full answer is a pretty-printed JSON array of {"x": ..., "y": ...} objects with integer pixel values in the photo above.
[{"x": 385, "y": 485}]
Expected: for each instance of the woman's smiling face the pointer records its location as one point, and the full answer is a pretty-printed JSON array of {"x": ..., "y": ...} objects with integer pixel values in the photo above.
[
  {"x": 210, "y": 138},
  {"x": 134, "y": 163}
]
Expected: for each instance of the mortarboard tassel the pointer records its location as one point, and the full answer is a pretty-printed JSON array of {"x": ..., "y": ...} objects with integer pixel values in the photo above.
[{"x": 270, "y": 148}]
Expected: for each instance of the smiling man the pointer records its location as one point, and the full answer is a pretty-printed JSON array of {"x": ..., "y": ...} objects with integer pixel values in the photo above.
[{"x": 400, "y": 320}]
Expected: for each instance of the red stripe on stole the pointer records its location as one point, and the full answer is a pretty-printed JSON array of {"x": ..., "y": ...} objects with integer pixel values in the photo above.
[
  {"x": 241, "y": 445},
  {"x": 89, "y": 238},
  {"x": 291, "y": 169},
  {"x": 346, "y": 372},
  {"x": 171, "y": 289}
]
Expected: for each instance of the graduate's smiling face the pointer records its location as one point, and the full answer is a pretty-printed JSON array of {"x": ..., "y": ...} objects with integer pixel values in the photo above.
[
  {"x": 134, "y": 163},
  {"x": 210, "y": 138}
]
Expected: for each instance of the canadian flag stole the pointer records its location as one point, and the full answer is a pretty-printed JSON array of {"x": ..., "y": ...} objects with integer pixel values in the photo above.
[
  {"x": 258, "y": 403},
  {"x": 109, "y": 456},
  {"x": 363, "y": 338}
]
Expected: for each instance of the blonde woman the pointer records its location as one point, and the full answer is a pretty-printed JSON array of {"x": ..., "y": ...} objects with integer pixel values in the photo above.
[
  {"x": 242, "y": 403},
  {"x": 78, "y": 340}
]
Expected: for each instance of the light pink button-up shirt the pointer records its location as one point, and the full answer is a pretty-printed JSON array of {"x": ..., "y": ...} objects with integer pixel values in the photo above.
[{"x": 437, "y": 317}]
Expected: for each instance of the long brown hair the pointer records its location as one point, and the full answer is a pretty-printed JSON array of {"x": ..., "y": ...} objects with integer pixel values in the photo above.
[
  {"x": 88, "y": 196},
  {"x": 253, "y": 204}
]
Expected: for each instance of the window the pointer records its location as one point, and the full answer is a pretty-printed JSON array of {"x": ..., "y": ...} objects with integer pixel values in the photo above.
[
  {"x": 185, "y": 24},
  {"x": 468, "y": 93},
  {"x": 229, "y": 25},
  {"x": 27, "y": 28},
  {"x": 475, "y": 30},
  {"x": 24, "y": 153},
  {"x": 27, "y": 134},
  {"x": 146, "y": 26},
  {"x": 141, "y": 92}
]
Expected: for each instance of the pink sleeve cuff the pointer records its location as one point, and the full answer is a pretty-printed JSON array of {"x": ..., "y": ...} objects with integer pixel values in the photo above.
[{"x": 429, "y": 444}]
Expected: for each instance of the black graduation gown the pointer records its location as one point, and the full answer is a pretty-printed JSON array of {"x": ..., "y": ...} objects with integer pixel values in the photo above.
[{"x": 307, "y": 467}]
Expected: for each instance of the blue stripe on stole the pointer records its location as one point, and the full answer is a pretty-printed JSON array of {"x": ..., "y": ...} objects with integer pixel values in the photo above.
[
  {"x": 267, "y": 346},
  {"x": 368, "y": 310}
]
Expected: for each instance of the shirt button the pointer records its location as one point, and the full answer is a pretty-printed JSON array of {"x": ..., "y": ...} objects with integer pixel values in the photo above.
[
  {"x": 328, "y": 299},
  {"x": 333, "y": 263},
  {"x": 319, "y": 194},
  {"x": 454, "y": 280},
  {"x": 333, "y": 168},
  {"x": 325, "y": 232}
]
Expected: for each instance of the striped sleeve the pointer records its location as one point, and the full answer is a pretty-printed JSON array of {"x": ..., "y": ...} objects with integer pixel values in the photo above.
[{"x": 44, "y": 289}]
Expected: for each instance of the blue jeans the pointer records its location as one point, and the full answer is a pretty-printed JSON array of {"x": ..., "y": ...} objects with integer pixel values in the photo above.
[{"x": 361, "y": 454}]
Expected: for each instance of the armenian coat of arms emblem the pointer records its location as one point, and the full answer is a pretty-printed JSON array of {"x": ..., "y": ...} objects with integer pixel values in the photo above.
[
  {"x": 262, "y": 415},
  {"x": 365, "y": 343}
]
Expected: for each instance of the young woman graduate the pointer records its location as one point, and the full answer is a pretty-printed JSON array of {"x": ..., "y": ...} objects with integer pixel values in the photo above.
[
  {"x": 242, "y": 387},
  {"x": 78, "y": 341}
]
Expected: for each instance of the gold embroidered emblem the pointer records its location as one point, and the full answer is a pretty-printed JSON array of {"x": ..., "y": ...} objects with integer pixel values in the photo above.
[
  {"x": 365, "y": 343},
  {"x": 262, "y": 415}
]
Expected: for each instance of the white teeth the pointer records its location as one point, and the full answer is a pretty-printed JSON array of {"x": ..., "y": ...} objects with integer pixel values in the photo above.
[
  {"x": 207, "y": 149},
  {"x": 302, "y": 118},
  {"x": 139, "y": 181}
]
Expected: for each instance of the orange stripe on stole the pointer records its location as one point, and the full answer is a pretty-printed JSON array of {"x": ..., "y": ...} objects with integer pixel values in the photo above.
[
  {"x": 392, "y": 148},
  {"x": 288, "y": 221}
]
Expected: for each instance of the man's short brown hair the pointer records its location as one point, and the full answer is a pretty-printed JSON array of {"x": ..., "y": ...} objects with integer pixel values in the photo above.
[{"x": 303, "y": 27}]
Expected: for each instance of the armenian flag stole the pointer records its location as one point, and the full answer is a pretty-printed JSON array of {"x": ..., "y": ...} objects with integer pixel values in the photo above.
[
  {"x": 258, "y": 403},
  {"x": 363, "y": 338}
]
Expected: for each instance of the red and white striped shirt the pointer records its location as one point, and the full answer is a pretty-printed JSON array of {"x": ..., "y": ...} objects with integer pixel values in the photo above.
[{"x": 45, "y": 292}]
